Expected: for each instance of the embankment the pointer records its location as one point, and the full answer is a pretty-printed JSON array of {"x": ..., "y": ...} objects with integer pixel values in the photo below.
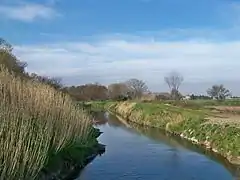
[
  {"x": 68, "y": 163},
  {"x": 190, "y": 124},
  {"x": 40, "y": 126}
]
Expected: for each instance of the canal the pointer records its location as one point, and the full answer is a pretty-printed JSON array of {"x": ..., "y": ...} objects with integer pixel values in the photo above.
[{"x": 139, "y": 153}]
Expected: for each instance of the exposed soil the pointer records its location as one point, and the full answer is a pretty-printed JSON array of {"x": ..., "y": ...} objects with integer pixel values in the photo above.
[
  {"x": 232, "y": 109},
  {"x": 225, "y": 115},
  {"x": 226, "y": 119}
]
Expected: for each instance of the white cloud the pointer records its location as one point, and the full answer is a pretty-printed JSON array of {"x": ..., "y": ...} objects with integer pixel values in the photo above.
[
  {"x": 109, "y": 61},
  {"x": 201, "y": 55},
  {"x": 27, "y": 12}
]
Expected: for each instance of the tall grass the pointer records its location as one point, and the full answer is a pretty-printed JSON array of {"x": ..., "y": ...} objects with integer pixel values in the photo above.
[{"x": 35, "y": 121}]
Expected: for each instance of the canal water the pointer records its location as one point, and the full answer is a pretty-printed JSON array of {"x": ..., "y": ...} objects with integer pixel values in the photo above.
[{"x": 137, "y": 153}]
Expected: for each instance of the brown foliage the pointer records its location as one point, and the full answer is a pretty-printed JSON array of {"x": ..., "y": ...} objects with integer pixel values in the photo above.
[
  {"x": 88, "y": 92},
  {"x": 11, "y": 63},
  {"x": 117, "y": 90},
  {"x": 53, "y": 82},
  {"x": 36, "y": 120}
]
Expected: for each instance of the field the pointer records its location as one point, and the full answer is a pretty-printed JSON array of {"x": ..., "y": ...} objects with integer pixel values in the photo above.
[{"x": 227, "y": 111}]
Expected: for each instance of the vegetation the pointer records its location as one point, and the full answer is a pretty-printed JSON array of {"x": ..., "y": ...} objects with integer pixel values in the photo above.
[
  {"x": 130, "y": 89},
  {"x": 218, "y": 92},
  {"x": 53, "y": 82},
  {"x": 87, "y": 92},
  {"x": 201, "y": 104},
  {"x": 136, "y": 87},
  {"x": 37, "y": 121},
  {"x": 9, "y": 61},
  {"x": 200, "y": 97},
  {"x": 118, "y": 90},
  {"x": 174, "y": 80},
  {"x": 196, "y": 123}
]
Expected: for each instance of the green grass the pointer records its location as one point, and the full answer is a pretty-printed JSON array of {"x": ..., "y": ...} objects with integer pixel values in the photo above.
[
  {"x": 224, "y": 138},
  {"x": 96, "y": 105},
  {"x": 199, "y": 104},
  {"x": 192, "y": 123}
]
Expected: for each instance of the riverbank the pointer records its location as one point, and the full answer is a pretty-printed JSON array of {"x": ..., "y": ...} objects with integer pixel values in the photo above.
[
  {"x": 43, "y": 132},
  {"x": 196, "y": 125},
  {"x": 141, "y": 152},
  {"x": 68, "y": 163}
]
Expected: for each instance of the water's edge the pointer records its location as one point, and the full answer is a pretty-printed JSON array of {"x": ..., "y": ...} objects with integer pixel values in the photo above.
[
  {"x": 235, "y": 169},
  {"x": 234, "y": 166},
  {"x": 165, "y": 155},
  {"x": 67, "y": 165}
]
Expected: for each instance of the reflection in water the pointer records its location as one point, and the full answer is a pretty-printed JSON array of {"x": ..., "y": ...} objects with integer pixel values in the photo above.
[
  {"x": 174, "y": 141},
  {"x": 177, "y": 142},
  {"x": 136, "y": 152}
]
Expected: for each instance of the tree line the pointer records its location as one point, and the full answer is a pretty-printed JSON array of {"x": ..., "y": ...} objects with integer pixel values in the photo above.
[
  {"x": 136, "y": 89},
  {"x": 130, "y": 89}
]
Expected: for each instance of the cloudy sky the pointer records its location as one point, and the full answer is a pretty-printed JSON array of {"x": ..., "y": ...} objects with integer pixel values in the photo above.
[{"x": 105, "y": 41}]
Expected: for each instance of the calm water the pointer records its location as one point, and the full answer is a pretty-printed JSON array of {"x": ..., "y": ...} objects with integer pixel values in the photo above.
[{"x": 137, "y": 153}]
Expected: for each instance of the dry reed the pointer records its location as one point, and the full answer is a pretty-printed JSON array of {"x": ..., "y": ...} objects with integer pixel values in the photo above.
[{"x": 35, "y": 120}]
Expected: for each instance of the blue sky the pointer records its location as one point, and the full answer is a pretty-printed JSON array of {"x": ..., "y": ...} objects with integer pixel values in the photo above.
[{"x": 113, "y": 40}]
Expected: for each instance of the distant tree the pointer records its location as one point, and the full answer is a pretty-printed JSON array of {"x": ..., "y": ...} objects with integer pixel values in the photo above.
[
  {"x": 174, "y": 81},
  {"x": 136, "y": 87},
  {"x": 118, "y": 90},
  {"x": 88, "y": 92},
  {"x": 202, "y": 97},
  {"x": 219, "y": 92},
  {"x": 9, "y": 61},
  {"x": 54, "y": 82},
  {"x": 176, "y": 95}
]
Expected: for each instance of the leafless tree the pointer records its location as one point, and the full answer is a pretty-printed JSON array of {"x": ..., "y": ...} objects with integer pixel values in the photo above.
[
  {"x": 174, "y": 81},
  {"x": 136, "y": 87},
  {"x": 117, "y": 90},
  {"x": 219, "y": 92}
]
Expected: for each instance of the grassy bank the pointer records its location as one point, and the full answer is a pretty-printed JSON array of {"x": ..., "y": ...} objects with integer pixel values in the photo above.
[
  {"x": 37, "y": 122},
  {"x": 195, "y": 124}
]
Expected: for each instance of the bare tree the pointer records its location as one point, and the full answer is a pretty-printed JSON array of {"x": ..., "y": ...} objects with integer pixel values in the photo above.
[
  {"x": 219, "y": 92},
  {"x": 117, "y": 90},
  {"x": 174, "y": 81},
  {"x": 136, "y": 87}
]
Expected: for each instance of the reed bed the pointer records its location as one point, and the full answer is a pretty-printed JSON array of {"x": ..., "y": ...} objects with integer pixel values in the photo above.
[{"x": 35, "y": 121}]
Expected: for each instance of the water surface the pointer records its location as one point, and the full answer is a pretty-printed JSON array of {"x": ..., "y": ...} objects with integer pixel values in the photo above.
[{"x": 137, "y": 153}]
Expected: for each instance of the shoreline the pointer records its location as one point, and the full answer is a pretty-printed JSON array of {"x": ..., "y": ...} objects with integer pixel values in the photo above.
[
  {"x": 69, "y": 163},
  {"x": 196, "y": 131},
  {"x": 193, "y": 146}
]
